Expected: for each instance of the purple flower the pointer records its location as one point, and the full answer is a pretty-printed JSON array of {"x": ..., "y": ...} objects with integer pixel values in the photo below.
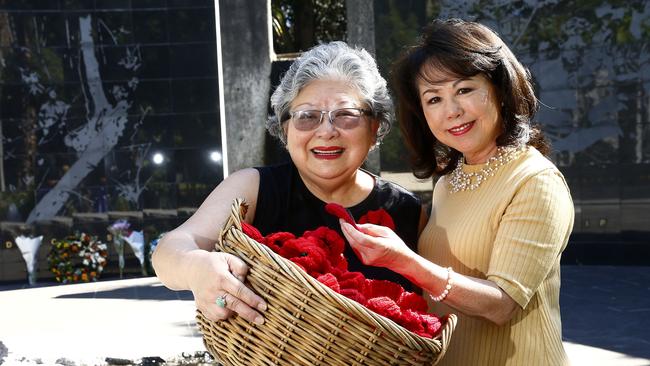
[{"x": 121, "y": 225}]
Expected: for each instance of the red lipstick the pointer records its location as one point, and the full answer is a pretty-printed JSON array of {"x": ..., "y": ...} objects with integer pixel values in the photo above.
[
  {"x": 461, "y": 129},
  {"x": 327, "y": 152}
]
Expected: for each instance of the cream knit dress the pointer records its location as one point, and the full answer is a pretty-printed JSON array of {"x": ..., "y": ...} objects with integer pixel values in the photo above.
[{"x": 511, "y": 230}]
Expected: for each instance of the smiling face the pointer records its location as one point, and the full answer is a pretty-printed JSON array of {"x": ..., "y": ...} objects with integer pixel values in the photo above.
[
  {"x": 462, "y": 113},
  {"x": 329, "y": 155}
]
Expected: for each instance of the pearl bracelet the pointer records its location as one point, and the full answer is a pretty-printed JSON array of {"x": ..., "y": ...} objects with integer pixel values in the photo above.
[{"x": 448, "y": 286}]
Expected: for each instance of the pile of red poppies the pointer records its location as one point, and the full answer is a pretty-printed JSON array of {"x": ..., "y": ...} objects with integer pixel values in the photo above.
[{"x": 320, "y": 254}]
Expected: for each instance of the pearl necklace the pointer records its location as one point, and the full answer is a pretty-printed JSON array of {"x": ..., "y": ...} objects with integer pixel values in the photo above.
[{"x": 462, "y": 181}]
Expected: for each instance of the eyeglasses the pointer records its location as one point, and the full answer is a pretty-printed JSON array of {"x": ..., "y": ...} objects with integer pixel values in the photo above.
[{"x": 343, "y": 118}]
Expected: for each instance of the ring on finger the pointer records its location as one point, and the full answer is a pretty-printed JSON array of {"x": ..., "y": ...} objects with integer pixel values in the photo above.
[{"x": 221, "y": 301}]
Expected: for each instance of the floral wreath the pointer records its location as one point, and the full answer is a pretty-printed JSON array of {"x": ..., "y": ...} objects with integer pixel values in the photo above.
[{"x": 77, "y": 258}]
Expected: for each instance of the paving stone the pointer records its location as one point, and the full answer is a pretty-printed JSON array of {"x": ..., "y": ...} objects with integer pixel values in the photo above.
[{"x": 605, "y": 318}]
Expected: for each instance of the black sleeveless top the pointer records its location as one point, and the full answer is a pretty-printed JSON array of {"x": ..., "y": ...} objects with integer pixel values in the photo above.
[{"x": 285, "y": 204}]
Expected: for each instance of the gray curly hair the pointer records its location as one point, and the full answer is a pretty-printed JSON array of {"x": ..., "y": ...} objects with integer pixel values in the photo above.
[{"x": 334, "y": 60}]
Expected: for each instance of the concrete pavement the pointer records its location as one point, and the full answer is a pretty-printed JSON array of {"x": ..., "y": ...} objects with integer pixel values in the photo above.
[
  {"x": 606, "y": 314},
  {"x": 85, "y": 323},
  {"x": 606, "y": 320}
]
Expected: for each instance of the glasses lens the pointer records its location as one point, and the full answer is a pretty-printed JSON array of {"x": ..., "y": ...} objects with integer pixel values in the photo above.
[
  {"x": 306, "y": 120},
  {"x": 346, "y": 118}
]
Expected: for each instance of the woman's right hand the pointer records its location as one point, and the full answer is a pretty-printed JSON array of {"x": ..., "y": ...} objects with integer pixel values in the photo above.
[
  {"x": 378, "y": 246},
  {"x": 220, "y": 275}
]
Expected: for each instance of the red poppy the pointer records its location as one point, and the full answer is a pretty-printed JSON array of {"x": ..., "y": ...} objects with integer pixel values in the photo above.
[
  {"x": 412, "y": 321},
  {"x": 340, "y": 263},
  {"x": 330, "y": 238},
  {"x": 377, "y": 288},
  {"x": 275, "y": 241},
  {"x": 340, "y": 212},
  {"x": 385, "y": 306},
  {"x": 308, "y": 254},
  {"x": 412, "y": 301},
  {"x": 330, "y": 281},
  {"x": 333, "y": 242},
  {"x": 431, "y": 324},
  {"x": 354, "y": 294},
  {"x": 252, "y": 232},
  {"x": 378, "y": 217},
  {"x": 352, "y": 280}
]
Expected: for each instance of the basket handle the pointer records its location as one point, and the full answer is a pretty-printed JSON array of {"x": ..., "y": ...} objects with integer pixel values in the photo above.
[
  {"x": 238, "y": 211},
  {"x": 450, "y": 325}
]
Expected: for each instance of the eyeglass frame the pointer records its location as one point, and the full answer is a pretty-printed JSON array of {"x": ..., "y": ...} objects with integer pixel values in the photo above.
[{"x": 363, "y": 111}]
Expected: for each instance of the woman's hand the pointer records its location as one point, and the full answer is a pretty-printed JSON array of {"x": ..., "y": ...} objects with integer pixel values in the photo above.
[
  {"x": 377, "y": 245},
  {"x": 218, "y": 275}
]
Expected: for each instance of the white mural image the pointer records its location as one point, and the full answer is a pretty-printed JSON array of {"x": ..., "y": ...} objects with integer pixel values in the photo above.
[
  {"x": 80, "y": 110},
  {"x": 52, "y": 116},
  {"x": 132, "y": 188},
  {"x": 106, "y": 122}
]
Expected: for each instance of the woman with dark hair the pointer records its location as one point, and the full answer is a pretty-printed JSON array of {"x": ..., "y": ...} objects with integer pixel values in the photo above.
[
  {"x": 501, "y": 211},
  {"x": 331, "y": 108}
]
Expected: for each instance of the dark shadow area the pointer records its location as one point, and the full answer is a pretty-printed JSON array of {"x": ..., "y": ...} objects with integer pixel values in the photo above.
[
  {"x": 152, "y": 292},
  {"x": 20, "y": 285},
  {"x": 627, "y": 248},
  {"x": 607, "y": 307},
  {"x": 49, "y": 281}
]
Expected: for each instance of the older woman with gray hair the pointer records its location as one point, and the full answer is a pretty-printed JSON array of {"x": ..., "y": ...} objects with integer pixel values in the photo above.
[{"x": 331, "y": 108}]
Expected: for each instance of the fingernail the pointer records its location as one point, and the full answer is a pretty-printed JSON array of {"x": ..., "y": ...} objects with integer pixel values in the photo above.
[
  {"x": 261, "y": 306},
  {"x": 259, "y": 320}
]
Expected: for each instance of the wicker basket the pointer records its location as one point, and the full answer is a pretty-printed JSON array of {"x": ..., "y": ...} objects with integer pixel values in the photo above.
[{"x": 306, "y": 322}]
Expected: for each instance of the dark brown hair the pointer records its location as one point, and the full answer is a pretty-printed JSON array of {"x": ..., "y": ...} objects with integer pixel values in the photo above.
[{"x": 462, "y": 49}]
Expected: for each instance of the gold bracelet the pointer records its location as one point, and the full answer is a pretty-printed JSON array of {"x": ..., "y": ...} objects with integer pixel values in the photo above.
[{"x": 445, "y": 292}]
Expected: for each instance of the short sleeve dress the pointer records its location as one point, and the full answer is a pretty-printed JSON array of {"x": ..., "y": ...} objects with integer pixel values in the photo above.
[{"x": 511, "y": 230}]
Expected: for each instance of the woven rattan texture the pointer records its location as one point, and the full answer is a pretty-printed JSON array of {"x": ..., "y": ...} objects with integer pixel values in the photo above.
[{"x": 306, "y": 322}]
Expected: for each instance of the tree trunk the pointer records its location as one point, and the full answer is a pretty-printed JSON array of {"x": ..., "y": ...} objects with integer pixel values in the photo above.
[
  {"x": 305, "y": 24},
  {"x": 360, "y": 15},
  {"x": 245, "y": 33}
]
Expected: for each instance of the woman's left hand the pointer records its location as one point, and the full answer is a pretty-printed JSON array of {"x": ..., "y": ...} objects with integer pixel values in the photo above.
[{"x": 377, "y": 245}]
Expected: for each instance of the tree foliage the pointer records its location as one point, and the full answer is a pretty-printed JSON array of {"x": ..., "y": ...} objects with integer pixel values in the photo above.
[{"x": 299, "y": 25}]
